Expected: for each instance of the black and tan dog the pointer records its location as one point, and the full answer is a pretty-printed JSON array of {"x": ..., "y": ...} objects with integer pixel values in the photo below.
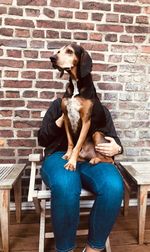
[{"x": 83, "y": 112}]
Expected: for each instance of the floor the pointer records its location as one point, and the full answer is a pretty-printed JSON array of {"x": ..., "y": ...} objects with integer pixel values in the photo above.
[{"x": 123, "y": 238}]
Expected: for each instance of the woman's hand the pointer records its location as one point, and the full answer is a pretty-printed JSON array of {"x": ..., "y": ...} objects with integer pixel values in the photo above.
[
  {"x": 59, "y": 121},
  {"x": 109, "y": 149}
]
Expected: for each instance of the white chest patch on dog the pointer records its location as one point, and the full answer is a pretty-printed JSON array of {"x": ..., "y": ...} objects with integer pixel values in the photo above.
[{"x": 73, "y": 108}]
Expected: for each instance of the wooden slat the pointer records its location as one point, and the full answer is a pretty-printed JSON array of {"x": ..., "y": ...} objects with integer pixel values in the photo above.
[{"x": 10, "y": 179}]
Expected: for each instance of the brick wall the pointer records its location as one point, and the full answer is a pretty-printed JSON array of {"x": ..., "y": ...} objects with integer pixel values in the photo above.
[{"x": 116, "y": 35}]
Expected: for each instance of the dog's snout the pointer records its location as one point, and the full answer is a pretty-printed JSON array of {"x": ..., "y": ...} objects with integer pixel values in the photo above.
[{"x": 53, "y": 58}]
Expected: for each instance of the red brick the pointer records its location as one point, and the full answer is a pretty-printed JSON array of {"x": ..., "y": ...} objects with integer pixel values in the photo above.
[
  {"x": 126, "y": 19},
  {"x": 80, "y": 26},
  {"x": 32, "y": 2},
  {"x": 56, "y": 44},
  {"x": 6, "y": 113},
  {"x": 7, "y": 152},
  {"x": 6, "y": 133},
  {"x": 38, "y": 34},
  {"x": 124, "y": 48},
  {"x": 38, "y": 105},
  {"x": 12, "y": 103},
  {"x": 21, "y": 142},
  {"x": 32, "y": 12},
  {"x": 142, "y": 20},
  {"x": 109, "y": 28},
  {"x": 146, "y": 49},
  {"x": 11, "y": 63},
  {"x": 45, "y": 75},
  {"x": 6, "y": 2},
  {"x": 91, "y": 5},
  {"x": 46, "y": 95},
  {"x": 66, "y": 35},
  {"x": 147, "y": 10},
  {"x": 49, "y": 84},
  {"x": 1, "y": 52},
  {"x": 139, "y": 39},
  {"x": 52, "y": 34},
  {"x": 6, "y": 32},
  {"x": 49, "y": 13},
  {"x": 30, "y": 94},
  {"x": 125, "y": 8},
  {"x": 36, "y": 114},
  {"x": 28, "y": 75},
  {"x": 65, "y": 14},
  {"x": 50, "y": 24},
  {"x": 14, "y": 53},
  {"x": 22, "y": 113},
  {"x": 37, "y": 44},
  {"x": 95, "y": 47},
  {"x": 137, "y": 29},
  {"x": 96, "y": 36},
  {"x": 38, "y": 64},
  {"x": 112, "y": 18},
  {"x": 30, "y": 54},
  {"x": 111, "y": 37},
  {"x": 13, "y": 43},
  {"x": 144, "y": 1},
  {"x": 45, "y": 54},
  {"x": 115, "y": 58},
  {"x": 3, "y": 10},
  {"x": 81, "y": 35},
  {"x": 104, "y": 67},
  {"x": 12, "y": 94},
  {"x": 17, "y": 84},
  {"x": 22, "y": 33},
  {"x": 97, "y": 56},
  {"x": 15, "y": 11},
  {"x": 110, "y": 86},
  {"x": 22, "y": 152},
  {"x": 26, "y": 124},
  {"x": 19, "y": 22},
  {"x": 1, "y": 94},
  {"x": 5, "y": 122},
  {"x": 81, "y": 15},
  {"x": 66, "y": 3},
  {"x": 11, "y": 74},
  {"x": 97, "y": 16},
  {"x": 126, "y": 39}
]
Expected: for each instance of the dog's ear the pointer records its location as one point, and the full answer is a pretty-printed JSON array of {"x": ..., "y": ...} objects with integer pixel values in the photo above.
[{"x": 85, "y": 64}]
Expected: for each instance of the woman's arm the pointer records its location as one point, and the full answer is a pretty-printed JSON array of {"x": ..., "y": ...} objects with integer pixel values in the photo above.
[
  {"x": 113, "y": 146},
  {"x": 51, "y": 125}
]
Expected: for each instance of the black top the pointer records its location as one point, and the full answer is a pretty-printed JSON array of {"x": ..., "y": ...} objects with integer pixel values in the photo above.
[{"x": 54, "y": 138}]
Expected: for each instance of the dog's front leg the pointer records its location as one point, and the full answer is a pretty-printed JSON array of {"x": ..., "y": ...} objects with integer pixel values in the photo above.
[
  {"x": 71, "y": 165},
  {"x": 69, "y": 138}
]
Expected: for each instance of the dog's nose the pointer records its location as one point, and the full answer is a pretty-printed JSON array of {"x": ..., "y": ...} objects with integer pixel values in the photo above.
[{"x": 53, "y": 58}]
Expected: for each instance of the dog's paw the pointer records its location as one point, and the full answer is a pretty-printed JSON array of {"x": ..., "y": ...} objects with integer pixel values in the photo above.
[
  {"x": 95, "y": 160},
  {"x": 70, "y": 166}
]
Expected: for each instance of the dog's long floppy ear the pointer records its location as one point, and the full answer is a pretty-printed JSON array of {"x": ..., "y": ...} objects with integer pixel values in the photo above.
[{"x": 85, "y": 64}]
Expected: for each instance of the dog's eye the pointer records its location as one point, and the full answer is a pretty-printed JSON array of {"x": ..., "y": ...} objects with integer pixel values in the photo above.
[
  {"x": 69, "y": 51},
  {"x": 58, "y": 52}
]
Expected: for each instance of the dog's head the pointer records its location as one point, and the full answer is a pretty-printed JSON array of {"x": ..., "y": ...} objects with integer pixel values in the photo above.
[{"x": 74, "y": 59}]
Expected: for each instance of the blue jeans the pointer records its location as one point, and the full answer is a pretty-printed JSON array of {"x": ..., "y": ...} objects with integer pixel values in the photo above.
[{"x": 102, "y": 179}]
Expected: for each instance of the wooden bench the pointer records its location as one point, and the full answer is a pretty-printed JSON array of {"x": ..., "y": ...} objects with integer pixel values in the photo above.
[
  {"x": 39, "y": 197},
  {"x": 10, "y": 177}
]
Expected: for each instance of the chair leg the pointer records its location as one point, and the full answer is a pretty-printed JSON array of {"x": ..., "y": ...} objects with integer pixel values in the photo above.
[
  {"x": 108, "y": 248},
  {"x": 17, "y": 194},
  {"x": 42, "y": 226},
  {"x": 4, "y": 218}
]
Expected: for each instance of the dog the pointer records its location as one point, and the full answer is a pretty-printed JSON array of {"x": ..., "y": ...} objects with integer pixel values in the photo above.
[{"x": 82, "y": 109}]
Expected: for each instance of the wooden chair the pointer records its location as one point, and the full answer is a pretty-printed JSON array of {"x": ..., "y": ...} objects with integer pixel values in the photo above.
[{"x": 39, "y": 197}]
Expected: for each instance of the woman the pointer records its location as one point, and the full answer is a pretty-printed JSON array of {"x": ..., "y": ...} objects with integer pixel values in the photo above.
[{"x": 102, "y": 179}]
